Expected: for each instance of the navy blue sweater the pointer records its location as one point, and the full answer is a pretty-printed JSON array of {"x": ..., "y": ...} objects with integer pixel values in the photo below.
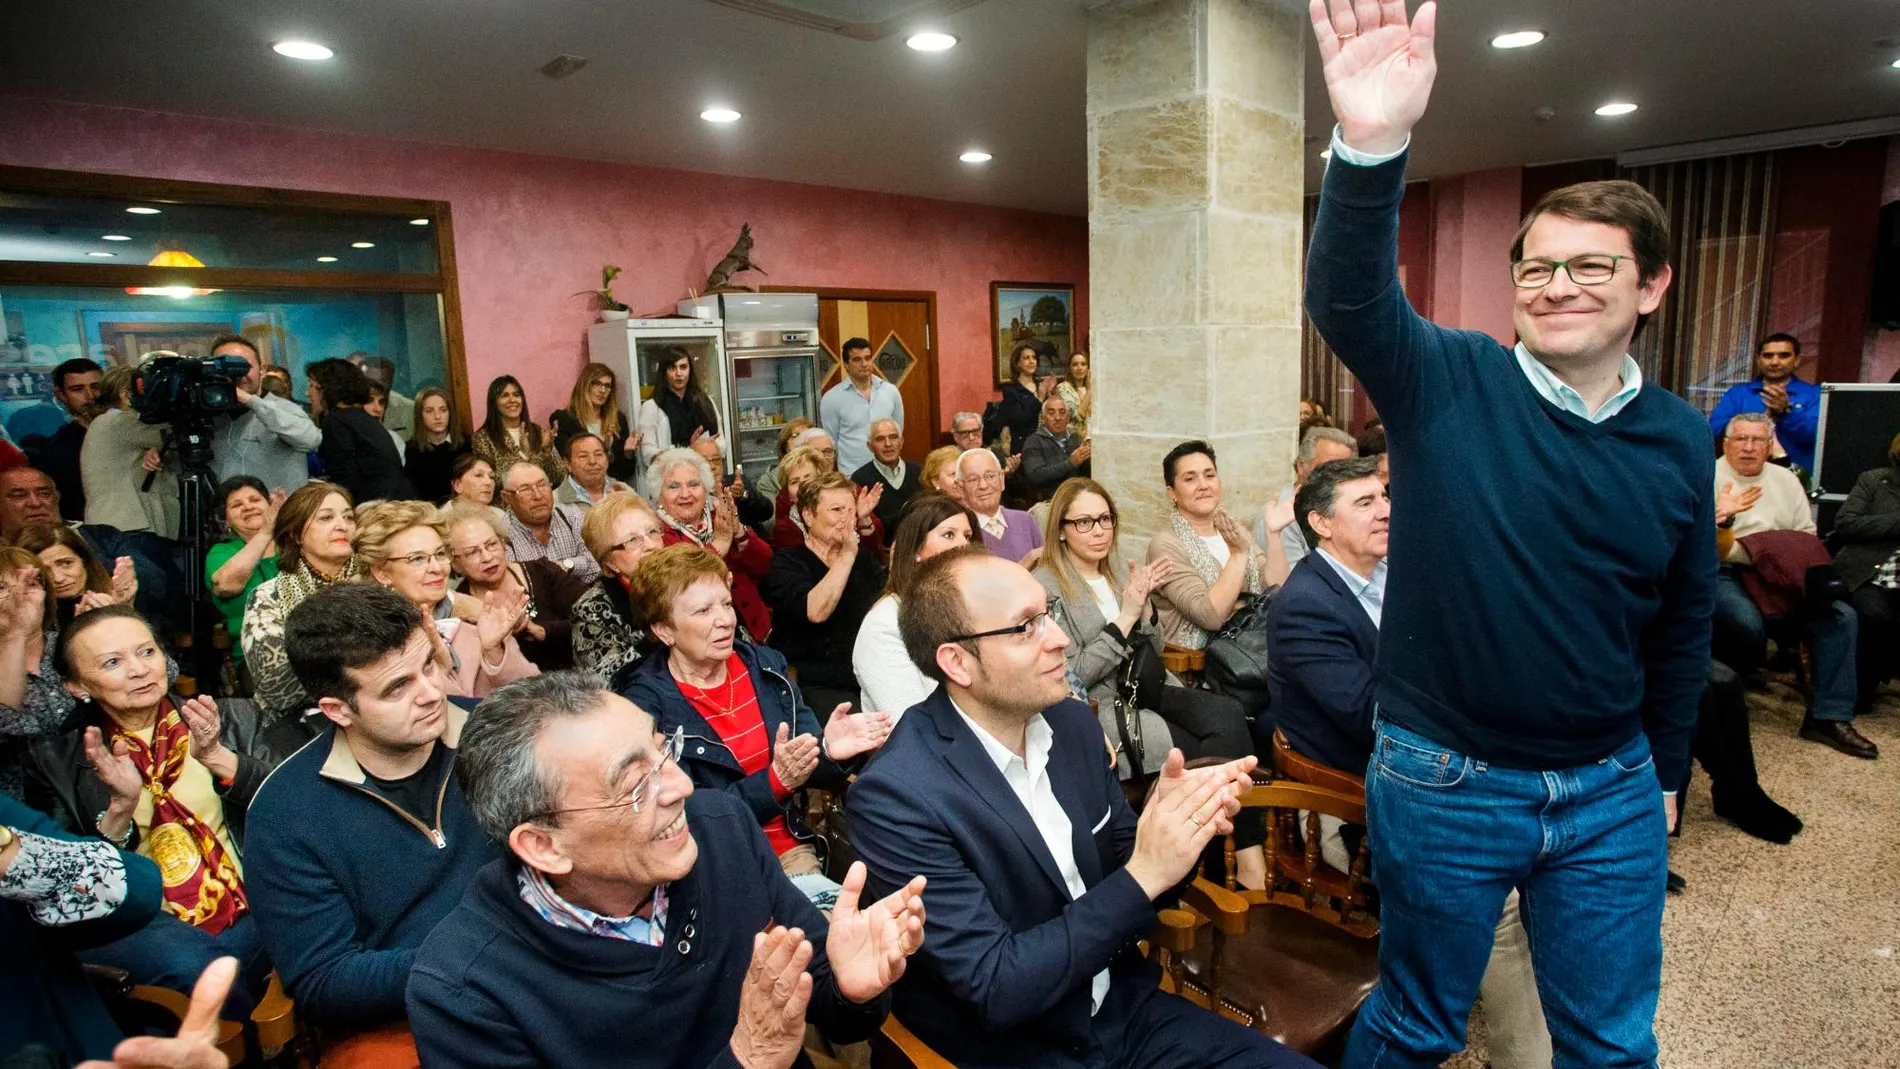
[
  {"x": 498, "y": 987},
  {"x": 1551, "y": 579},
  {"x": 345, "y": 886}
]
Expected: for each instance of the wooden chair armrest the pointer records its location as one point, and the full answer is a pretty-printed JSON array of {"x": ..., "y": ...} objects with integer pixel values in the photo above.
[
  {"x": 1177, "y": 659},
  {"x": 908, "y": 1046},
  {"x": 1225, "y": 910},
  {"x": 1176, "y": 932},
  {"x": 275, "y": 1017},
  {"x": 230, "y": 1033}
]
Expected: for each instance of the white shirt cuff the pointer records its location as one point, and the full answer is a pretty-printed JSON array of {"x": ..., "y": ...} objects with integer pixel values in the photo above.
[{"x": 1345, "y": 153}]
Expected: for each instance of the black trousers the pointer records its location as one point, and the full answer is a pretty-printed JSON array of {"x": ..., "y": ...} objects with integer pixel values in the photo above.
[
  {"x": 1205, "y": 724},
  {"x": 1879, "y": 611}
]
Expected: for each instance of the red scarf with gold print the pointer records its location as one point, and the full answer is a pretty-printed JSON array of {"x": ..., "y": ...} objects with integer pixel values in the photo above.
[{"x": 202, "y": 885}]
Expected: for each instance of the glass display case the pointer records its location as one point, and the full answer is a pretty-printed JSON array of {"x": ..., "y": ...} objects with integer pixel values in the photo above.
[
  {"x": 770, "y": 387},
  {"x": 640, "y": 351}
]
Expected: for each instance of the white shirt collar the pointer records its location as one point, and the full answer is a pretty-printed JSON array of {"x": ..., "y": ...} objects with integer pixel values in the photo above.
[
  {"x": 1558, "y": 392},
  {"x": 1038, "y": 738}
]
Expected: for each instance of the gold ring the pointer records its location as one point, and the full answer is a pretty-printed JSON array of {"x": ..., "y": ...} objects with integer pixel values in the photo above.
[{"x": 1347, "y": 36}]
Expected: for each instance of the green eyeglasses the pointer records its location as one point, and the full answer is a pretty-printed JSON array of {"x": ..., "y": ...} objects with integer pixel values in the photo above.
[{"x": 1590, "y": 269}]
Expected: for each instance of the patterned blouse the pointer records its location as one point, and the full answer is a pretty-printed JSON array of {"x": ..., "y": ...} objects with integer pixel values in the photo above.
[
  {"x": 502, "y": 454},
  {"x": 277, "y": 691},
  {"x": 44, "y": 708},
  {"x": 605, "y": 639}
]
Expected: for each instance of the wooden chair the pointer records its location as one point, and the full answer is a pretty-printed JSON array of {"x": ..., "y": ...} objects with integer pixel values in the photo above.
[
  {"x": 1184, "y": 663},
  {"x": 1296, "y": 960},
  {"x": 142, "y": 1007}
]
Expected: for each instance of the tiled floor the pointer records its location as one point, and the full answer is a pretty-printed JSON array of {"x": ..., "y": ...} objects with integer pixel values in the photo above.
[{"x": 1786, "y": 956}]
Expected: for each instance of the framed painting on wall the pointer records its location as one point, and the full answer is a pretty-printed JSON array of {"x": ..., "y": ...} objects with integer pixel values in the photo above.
[{"x": 1039, "y": 313}]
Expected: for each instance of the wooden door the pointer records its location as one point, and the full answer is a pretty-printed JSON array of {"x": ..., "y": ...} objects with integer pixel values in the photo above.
[{"x": 900, "y": 330}]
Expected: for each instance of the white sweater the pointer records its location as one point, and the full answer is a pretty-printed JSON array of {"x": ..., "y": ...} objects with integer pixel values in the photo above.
[
  {"x": 887, "y": 680},
  {"x": 1783, "y": 505}
]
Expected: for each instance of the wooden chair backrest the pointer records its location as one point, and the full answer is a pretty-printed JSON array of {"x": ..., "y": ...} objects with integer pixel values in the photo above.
[
  {"x": 1298, "y": 876},
  {"x": 1294, "y": 765}
]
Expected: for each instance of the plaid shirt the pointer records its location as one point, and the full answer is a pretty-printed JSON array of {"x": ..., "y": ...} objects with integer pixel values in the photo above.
[
  {"x": 564, "y": 544},
  {"x": 1887, "y": 576},
  {"x": 561, "y": 913}
]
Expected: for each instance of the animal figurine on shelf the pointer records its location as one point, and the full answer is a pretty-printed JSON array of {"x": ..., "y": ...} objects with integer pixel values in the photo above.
[{"x": 736, "y": 261}]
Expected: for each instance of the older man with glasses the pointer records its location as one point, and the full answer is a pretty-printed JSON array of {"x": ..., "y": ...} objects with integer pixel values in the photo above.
[
  {"x": 538, "y": 529},
  {"x": 634, "y": 921}
]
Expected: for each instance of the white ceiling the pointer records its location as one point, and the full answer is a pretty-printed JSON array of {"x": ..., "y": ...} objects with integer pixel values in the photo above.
[{"x": 828, "y": 109}]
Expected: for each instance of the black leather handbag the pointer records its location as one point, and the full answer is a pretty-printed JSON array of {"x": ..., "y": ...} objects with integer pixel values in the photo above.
[{"x": 1237, "y": 656}]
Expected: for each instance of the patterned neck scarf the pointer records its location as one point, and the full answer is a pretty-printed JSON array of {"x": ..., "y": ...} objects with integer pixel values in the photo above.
[
  {"x": 702, "y": 532},
  {"x": 202, "y": 885},
  {"x": 303, "y": 581},
  {"x": 1205, "y": 566}
]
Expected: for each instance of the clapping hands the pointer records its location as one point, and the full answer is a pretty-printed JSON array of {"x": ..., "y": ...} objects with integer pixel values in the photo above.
[
  {"x": 867, "y": 947},
  {"x": 849, "y": 734}
]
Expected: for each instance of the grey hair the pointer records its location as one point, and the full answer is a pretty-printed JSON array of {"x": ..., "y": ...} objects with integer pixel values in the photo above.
[
  {"x": 1750, "y": 417},
  {"x": 1309, "y": 443},
  {"x": 968, "y": 453},
  {"x": 496, "y": 759},
  {"x": 1320, "y": 492},
  {"x": 803, "y": 437},
  {"x": 458, "y": 512},
  {"x": 673, "y": 458},
  {"x": 961, "y": 416},
  {"x": 884, "y": 419},
  {"x": 503, "y": 474}
]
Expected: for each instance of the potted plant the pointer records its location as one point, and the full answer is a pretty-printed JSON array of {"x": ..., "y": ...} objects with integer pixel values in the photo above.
[{"x": 605, "y": 302}]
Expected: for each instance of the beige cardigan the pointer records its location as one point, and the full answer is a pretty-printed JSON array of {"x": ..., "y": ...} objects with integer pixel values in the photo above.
[{"x": 1182, "y": 600}]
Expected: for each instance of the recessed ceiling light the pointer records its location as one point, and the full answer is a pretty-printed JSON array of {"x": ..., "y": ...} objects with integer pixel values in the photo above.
[
  {"x": 301, "y": 50},
  {"x": 115, "y": 237},
  {"x": 1616, "y": 108},
  {"x": 418, "y": 222},
  {"x": 139, "y": 209},
  {"x": 1517, "y": 39},
  {"x": 362, "y": 244},
  {"x": 326, "y": 259},
  {"x": 103, "y": 255},
  {"x": 1325, "y": 154},
  {"x": 719, "y": 115},
  {"x": 976, "y": 156},
  {"x": 931, "y": 42}
]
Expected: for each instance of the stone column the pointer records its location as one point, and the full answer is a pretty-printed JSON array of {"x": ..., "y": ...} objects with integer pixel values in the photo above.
[{"x": 1195, "y": 185}]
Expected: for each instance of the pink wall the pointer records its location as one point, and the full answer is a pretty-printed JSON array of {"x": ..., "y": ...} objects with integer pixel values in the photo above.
[
  {"x": 531, "y": 230},
  {"x": 1474, "y": 218}
]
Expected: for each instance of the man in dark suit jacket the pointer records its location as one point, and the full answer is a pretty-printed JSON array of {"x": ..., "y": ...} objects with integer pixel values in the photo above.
[
  {"x": 1323, "y": 625},
  {"x": 1000, "y": 790},
  {"x": 889, "y": 470}
]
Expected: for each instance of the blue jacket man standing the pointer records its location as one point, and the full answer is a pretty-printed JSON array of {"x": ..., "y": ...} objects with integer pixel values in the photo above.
[
  {"x": 1793, "y": 402},
  {"x": 1545, "y": 631}
]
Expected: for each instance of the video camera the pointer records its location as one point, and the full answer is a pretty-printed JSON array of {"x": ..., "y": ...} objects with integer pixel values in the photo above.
[{"x": 174, "y": 388}]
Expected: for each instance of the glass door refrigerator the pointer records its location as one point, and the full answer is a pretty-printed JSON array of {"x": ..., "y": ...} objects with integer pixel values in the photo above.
[
  {"x": 774, "y": 365},
  {"x": 640, "y": 350}
]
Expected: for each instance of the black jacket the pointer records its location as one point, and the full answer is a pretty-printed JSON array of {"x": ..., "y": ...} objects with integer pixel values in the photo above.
[
  {"x": 1867, "y": 528},
  {"x": 821, "y": 651},
  {"x": 498, "y": 987},
  {"x": 1018, "y": 413},
  {"x": 564, "y": 425},
  {"x": 1320, "y": 672},
  {"x": 60, "y": 781},
  {"x": 890, "y": 507},
  {"x": 429, "y": 468},
  {"x": 359, "y": 455},
  {"x": 707, "y": 760},
  {"x": 1046, "y": 460}
]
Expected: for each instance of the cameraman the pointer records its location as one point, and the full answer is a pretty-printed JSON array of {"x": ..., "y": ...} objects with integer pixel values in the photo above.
[{"x": 271, "y": 441}]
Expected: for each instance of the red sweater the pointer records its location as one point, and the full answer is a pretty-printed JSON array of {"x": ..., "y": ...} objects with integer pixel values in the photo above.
[{"x": 732, "y": 710}]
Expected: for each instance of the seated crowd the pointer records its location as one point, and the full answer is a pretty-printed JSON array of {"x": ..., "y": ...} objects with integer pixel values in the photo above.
[{"x": 447, "y": 845}]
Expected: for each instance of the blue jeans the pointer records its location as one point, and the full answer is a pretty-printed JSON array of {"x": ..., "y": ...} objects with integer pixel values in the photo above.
[
  {"x": 1451, "y": 835},
  {"x": 1831, "y": 634}
]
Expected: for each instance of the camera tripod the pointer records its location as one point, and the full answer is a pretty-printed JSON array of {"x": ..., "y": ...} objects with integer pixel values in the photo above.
[{"x": 198, "y": 527}]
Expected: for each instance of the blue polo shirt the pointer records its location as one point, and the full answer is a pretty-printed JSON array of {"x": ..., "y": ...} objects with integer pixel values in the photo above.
[{"x": 1795, "y": 431}]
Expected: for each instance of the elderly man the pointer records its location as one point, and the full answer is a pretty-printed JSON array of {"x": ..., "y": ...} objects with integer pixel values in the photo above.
[
  {"x": 27, "y": 495},
  {"x": 633, "y": 921},
  {"x": 1568, "y": 503},
  {"x": 1010, "y": 533},
  {"x": 850, "y": 410},
  {"x": 888, "y": 469},
  {"x": 1831, "y": 631},
  {"x": 1318, "y": 445},
  {"x": 271, "y": 439},
  {"x": 1042, "y": 879},
  {"x": 1054, "y": 452},
  {"x": 966, "y": 431},
  {"x": 538, "y": 529},
  {"x": 585, "y": 457},
  {"x": 360, "y": 842},
  {"x": 1792, "y": 404}
]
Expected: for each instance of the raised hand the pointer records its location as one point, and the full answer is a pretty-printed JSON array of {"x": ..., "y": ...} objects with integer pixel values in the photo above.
[
  {"x": 1142, "y": 581},
  {"x": 1229, "y": 531},
  {"x": 125, "y": 580},
  {"x": 868, "y": 497},
  {"x": 196, "y": 1044},
  {"x": 501, "y": 613},
  {"x": 1378, "y": 70},
  {"x": 845, "y": 552},
  {"x": 91, "y": 600},
  {"x": 772, "y": 1000},
  {"x": 1184, "y": 815},
  {"x": 849, "y": 734},
  {"x": 115, "y": 768},
  {"x": 1277, "y": 515},
  {"x": 1774, "y": 397},
  {"x": 632, "y": 445},
  {"x": 867, "y": 947},
  {"x": 793, "y": 759},
  {"x": 725, "y": 524},
  {"x": 271, "y": 505},
  {"x": 1729, "y": 501},
  {"x": 22, "y": 603},
  {"x": 201, "y": 716}
]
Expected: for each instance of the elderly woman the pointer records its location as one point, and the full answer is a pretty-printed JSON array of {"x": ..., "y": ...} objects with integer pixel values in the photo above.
[
  {"x": 767, "y": 485},
  {"x": 1868, "y": 531},
  {"x": 696, "y": 509},
  {"x": 78, "y": 578},
  {"x": 807, "y": 462},
  {"x": 32, "y": 702},
  {"x": 940, "y": 472},
  {"x": 821, "y": 590},
  {"x": 402, "y": 545},
  {"x": 154, "y": 773},
  {"x": 478, "y": 546},
  {"x": 619, "y": 531},
  {"x": 314, "y": 532},
  {"x": 472, "y": 479},
  {"x": 247, "y": 556},
  {"x": 1212, "y": 561},
  {"x": 887, "y": 678},
  {"x": 748, "y": 730}
]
